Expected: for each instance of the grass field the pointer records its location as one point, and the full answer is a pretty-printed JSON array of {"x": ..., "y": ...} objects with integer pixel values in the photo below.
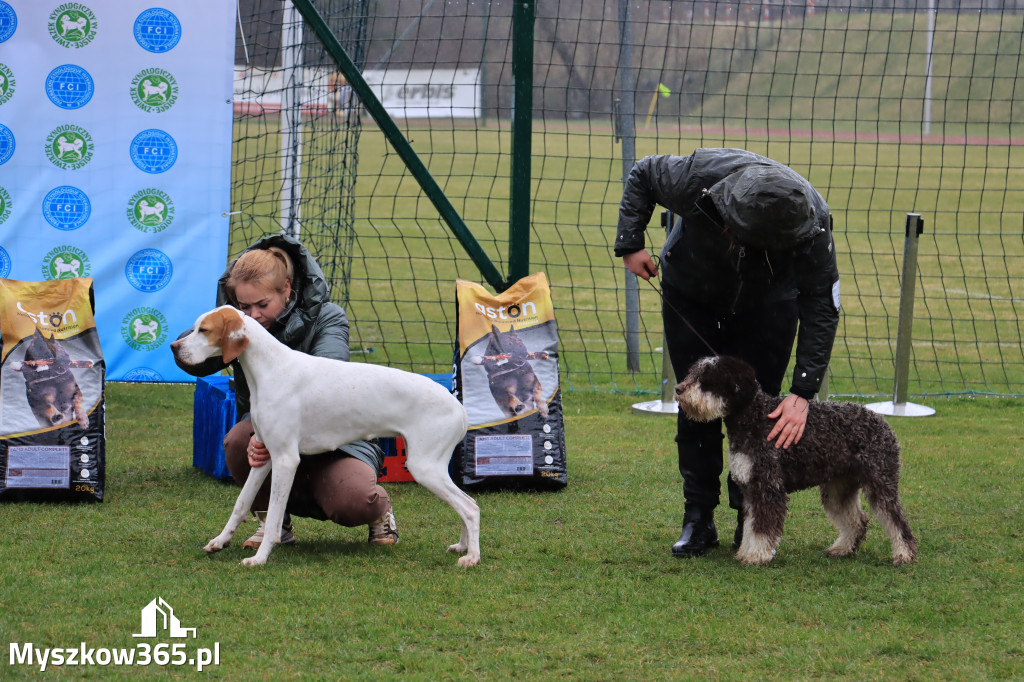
[{"x": 577, "y": 584}]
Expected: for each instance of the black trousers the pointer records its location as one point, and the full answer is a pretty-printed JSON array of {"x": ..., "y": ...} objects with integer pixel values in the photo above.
[{"x": 762, "y": 337}]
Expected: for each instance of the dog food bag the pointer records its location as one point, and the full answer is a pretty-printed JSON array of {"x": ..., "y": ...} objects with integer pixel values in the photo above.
[
  {"x": 52, "y": 424},
  {"x": 506, "y": 375}
]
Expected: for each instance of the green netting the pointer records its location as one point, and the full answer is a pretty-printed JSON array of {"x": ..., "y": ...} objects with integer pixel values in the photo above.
[{"x": 887, "y": 107}]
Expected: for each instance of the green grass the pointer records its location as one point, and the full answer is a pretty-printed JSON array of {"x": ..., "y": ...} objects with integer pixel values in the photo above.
[{"x": 577, "y": 584}]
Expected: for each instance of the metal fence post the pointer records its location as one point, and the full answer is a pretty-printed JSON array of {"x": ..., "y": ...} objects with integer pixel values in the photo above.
[
  {"x": 523, "y": 19},
  {"x": 667, "y": 404},
  {"x": 898, "y": 406},
  {"x": 624, "y": 124},
  {"x": 291, "y": 121}
]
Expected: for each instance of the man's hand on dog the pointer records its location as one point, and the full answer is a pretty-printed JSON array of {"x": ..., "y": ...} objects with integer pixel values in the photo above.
[
  {"x": 258, "y": 453},
  {"x": 792, "y": 416}
]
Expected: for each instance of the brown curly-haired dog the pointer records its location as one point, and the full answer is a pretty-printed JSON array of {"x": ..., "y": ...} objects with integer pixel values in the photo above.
[{"x": 844, "y": 448}]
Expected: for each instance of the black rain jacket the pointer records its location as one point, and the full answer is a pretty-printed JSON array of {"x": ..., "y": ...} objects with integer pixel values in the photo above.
[{"x": 750, "y": 231}]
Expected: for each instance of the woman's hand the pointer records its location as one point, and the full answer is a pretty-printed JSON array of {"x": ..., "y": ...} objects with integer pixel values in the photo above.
[
  {"x": 792, "y": 416},
  {"x": 258, "y": 453},
  {"x": 640, "y": 264}
]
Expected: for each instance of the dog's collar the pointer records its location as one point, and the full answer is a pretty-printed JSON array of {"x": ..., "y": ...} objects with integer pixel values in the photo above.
[{"x": 518, "y": 364}]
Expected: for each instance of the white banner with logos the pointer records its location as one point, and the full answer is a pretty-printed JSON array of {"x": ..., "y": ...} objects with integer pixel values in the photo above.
[
  {"x": 115, "y": 162},
  {"x": 425, "y": 93}
]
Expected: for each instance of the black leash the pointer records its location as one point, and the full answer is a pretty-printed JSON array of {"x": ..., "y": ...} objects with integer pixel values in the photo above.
[{"x": 665, "y": 301}]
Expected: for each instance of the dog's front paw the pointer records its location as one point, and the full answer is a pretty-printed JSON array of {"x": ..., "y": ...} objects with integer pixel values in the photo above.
[
  {"x": 256, "y": 560},
  {"x": 215, "y": 545},
  {"x": 752, "y": 557}
]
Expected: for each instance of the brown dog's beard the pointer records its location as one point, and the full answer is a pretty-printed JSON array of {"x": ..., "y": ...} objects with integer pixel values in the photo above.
[{"x": 697, "y": 404}]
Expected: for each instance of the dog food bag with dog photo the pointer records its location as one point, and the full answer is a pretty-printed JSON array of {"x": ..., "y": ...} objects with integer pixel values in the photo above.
[
  {"x": 506, "y": 374},
  {"x": 52, "y": 430}
]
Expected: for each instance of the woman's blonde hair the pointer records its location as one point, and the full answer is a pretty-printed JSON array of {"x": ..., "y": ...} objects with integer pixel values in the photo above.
[{"x": 267, "y": 268}]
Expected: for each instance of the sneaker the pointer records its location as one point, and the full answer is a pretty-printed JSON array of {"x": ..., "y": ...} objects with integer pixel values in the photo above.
[
  {"x": 256, "y": 539},
  {"x": 384, "y": 531}
]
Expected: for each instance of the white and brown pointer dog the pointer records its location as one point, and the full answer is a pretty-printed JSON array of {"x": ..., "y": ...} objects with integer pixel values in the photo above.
[
  {"x": 845, "y": 448},
  {"x": 308, "y": 404}
]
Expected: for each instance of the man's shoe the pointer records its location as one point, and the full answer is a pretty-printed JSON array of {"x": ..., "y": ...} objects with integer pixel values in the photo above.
[
  {"x": 699, "y": 534},
  {"x": 384, "y": 531},
  {"x": 256, "y": 539}
]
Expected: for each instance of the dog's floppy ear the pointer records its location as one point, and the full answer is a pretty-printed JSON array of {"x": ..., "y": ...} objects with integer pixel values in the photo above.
[
  {"x": 746, "y": 381},
  {"x": 232, "y": 339},
  {"x": 732, "y": 378}
]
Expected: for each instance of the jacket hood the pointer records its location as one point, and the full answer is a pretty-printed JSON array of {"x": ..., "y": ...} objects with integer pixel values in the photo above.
[
  {"x": 310, "y": 287},
  {"x": 766, "y": 206}
]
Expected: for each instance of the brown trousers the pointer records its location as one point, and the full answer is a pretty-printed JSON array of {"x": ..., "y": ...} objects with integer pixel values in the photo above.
[{"x": 344, "y": 488}]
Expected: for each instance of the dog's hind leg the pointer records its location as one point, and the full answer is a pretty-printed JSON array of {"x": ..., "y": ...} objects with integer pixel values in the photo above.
[
  {"x": 430, "y": 469},
  {"x": 841, "y": 499},
  {"x": 884, "y": 499},
  {"x": 242, "y": 505},
  {"x": 286, "y": 461}
]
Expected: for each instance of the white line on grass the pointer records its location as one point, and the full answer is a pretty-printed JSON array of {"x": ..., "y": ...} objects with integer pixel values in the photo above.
[{"x": 971, "y": 294}]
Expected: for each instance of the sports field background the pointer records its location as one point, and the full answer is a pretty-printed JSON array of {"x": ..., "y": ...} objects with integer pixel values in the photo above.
[{"x": 837, "y": 93}]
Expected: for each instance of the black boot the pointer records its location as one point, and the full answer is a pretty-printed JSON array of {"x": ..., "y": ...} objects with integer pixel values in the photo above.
[
  {"x": 737, "y": 538},
  {"x": 699, "y": 534}
]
